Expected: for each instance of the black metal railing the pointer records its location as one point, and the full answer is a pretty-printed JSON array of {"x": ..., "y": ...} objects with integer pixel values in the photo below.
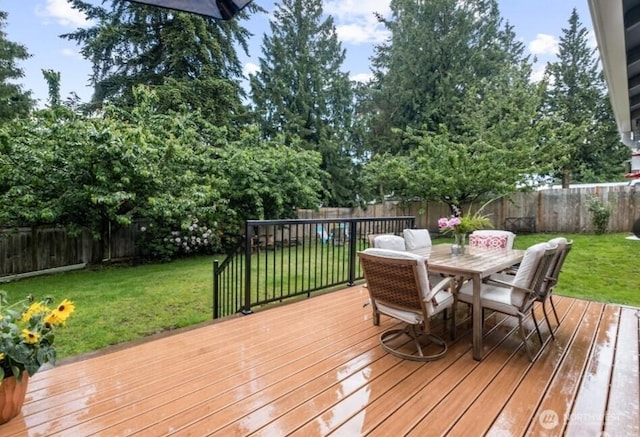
[{"x": 283, "y": 259}]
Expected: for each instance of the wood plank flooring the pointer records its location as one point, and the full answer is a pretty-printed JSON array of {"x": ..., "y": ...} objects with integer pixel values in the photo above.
[{"x": 315, "y": 367}]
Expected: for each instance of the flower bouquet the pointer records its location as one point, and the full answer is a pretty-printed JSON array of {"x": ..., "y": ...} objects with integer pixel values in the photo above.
[{"x": 459, "y": 227}]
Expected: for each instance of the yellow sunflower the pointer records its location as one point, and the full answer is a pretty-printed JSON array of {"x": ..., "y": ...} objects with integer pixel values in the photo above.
[
  {"x": 30, "y": 337},
  {"x": 34, "y": 308},
  {"x": 63, "y": 311},
  {"x": 52, "y": 319}
]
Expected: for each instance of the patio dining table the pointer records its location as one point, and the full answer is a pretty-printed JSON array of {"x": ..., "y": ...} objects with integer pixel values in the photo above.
[{"x": 475, "y": 264}]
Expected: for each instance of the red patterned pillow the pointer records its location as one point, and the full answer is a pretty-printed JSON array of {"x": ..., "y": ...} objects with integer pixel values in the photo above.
[{"x": 488, "y": 241}]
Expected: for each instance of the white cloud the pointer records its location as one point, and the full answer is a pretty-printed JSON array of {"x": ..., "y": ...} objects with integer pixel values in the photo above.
[
  {"x": 544, "y": 45},
  {"x": 250, "y": 68},
  {"x": 538, "y": 73},
  {"x": 356, "y": 22},
  {"x": 63, "y": 14},
  {"x": 71, "y": 53},
  {"x": 362, "y": 77}
]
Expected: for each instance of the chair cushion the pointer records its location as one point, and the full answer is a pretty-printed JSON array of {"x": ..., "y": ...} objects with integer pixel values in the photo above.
[
  {"x": 527, "y": 268},
  {"x": 488, "y": 241},
  {"x": 416, "y": 238},
  {"x": 391, "y": 242},
  {"x": 410, "y": 317},
  {"x": 494, "y": 297}
]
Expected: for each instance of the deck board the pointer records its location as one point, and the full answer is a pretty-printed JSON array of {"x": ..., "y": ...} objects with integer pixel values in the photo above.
[{"x": 315, "y": 367}]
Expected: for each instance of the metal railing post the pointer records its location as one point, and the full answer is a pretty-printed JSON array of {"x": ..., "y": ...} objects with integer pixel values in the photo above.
[
  {"x": 247, "y": 270},
  {"x": 216, "y": 289},
  {"x": 353, "y": 257}
]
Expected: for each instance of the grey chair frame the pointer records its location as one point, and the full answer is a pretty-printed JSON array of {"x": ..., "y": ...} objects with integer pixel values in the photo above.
[{"x": 537, "y": 284}]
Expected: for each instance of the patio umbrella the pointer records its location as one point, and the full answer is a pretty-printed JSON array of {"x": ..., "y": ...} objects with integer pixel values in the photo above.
[{"x": 218, "y": 9}]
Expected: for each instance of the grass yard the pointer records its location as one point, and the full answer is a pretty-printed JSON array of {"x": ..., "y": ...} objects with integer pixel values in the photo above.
[{"x": 119, "y": 304}]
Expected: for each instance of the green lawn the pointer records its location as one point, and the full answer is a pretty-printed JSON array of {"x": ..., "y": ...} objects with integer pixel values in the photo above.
[{"x": 118, "y": 304}]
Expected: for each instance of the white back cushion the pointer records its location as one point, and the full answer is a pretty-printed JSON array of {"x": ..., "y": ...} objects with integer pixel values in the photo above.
[
  {"x": 527, "y": 268},
  {"x": 416, "y": 238},
  {"x": 391, "y": 242}
]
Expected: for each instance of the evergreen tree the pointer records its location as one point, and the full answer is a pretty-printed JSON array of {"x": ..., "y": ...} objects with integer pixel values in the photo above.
[
  {"x": 437, "y": 49},
  {"x": 586, "y": 147},
  {"x": 452, "y": 92},
  {"x": 190, "y": 60},
  {"x": 14, "y": 102},
  {"x": 301, "y": 93}
]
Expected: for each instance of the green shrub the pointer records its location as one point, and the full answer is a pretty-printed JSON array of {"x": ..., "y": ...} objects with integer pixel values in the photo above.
[{"x": 600, "y": 213}]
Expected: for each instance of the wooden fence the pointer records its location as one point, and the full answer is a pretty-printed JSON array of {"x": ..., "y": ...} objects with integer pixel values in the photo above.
[
  {"x": 551, "y": 210},
  {"x": 29, "y": 249},
  {"x": 554, "y": 210}
]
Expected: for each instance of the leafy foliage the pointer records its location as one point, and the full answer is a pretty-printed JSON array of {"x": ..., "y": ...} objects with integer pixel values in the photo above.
[
  {"x": 190, "y": 59},
  {"x": 301, "y": 94},
  {"x": 456, "y": 111},
  {"x": 584, "y": 145},
  {"x": 600, "y": 213},
  {"x": 14, "y": 102}
]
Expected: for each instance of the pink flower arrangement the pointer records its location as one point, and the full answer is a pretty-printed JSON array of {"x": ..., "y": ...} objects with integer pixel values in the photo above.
[
  {"x": 463, "y": 225},
  {"x": 449, "y": 224}
]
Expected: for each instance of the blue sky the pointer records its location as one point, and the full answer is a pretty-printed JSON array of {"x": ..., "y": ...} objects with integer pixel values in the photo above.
[{"x": 38, "y": 23}]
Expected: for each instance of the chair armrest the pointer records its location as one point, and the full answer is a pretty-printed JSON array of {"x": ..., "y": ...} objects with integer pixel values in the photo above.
[
  {"x": 499, "y": 282},
  {"x": 445, "y": 283}
]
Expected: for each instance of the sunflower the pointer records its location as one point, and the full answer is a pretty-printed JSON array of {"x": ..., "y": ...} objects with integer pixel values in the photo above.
[
  {"x": 30, "y": 337},
  {"x": 63, "y": 311},
  {"x": 34, "y": 308},
  {"x": 52, "y": 319}
]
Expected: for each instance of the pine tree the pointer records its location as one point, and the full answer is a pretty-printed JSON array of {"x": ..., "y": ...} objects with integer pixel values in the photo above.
[
  {"x": 301, "y": 92},
  {"x": 190, "y": 60},
  {"x": 586, "y": 148},
  {"x": 454, "y": 104},
  {"x": 14, "y": 102}
]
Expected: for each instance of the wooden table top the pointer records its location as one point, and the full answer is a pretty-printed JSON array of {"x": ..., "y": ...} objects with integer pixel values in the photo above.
[{"x": 475, "y": 261}]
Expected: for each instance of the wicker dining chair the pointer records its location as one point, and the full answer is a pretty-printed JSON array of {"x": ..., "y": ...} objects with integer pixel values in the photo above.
[{"x": 398, "y": 287}]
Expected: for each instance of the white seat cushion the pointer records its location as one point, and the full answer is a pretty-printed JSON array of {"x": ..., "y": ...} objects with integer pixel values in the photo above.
[
  {"x": 493, "y": 297},
  {"x": 416, "y": 238}
]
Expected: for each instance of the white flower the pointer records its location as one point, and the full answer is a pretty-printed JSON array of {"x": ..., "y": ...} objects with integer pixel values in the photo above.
[{"x": 142, "y": 229}]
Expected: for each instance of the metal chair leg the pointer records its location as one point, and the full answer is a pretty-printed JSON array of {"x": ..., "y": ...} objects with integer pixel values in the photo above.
[
  {"x": 524, "y": 338},
  {"x": 535, "y": 323},
  {"x": 546, "y": 316},
  {"x": 554, "y": 309}
]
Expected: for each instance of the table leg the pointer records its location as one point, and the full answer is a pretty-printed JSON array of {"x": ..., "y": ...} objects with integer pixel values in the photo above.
[{"x": 477, "y": 318}]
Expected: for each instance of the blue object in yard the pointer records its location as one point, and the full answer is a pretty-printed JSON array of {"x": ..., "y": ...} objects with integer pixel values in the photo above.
[{"x": 322, "y": 233}]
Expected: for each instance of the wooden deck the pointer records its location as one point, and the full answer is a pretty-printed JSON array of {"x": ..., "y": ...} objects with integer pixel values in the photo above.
[{"x": 315, "y": 367}]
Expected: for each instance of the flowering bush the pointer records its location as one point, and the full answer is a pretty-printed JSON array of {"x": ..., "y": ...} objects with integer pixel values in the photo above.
[
  {"x": 27, "y": 332},
  {"x": 193, "y": 239}
]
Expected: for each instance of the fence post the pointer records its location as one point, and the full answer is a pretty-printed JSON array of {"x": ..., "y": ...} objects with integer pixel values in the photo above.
[
  {"x": 216, "y": 289},
  {"x": 353, "y": 257},
  {"x": 247, "y": 270}
]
